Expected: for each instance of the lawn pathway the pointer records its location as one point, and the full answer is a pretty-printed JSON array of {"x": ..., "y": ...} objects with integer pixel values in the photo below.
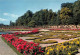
[{"x": 5, "y": 49}]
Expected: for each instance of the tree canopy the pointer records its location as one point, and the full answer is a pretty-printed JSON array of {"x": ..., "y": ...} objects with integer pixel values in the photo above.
[{"x": 69, "y": 14}]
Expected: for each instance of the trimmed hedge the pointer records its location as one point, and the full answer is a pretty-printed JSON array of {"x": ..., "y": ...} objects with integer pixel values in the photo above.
[{"x": 44, "y": 42}]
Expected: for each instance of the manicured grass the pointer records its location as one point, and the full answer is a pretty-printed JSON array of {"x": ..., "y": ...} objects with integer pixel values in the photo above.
[{"x": 14, "y": 49}]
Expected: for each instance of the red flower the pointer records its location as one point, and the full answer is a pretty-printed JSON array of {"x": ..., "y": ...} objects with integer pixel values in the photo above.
[
  {"x": 21, "y": 45},
  {"x": 31, "y": 42}
]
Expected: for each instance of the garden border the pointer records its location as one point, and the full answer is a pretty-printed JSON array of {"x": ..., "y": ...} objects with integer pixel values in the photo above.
[{"x": 11, "y": 46}]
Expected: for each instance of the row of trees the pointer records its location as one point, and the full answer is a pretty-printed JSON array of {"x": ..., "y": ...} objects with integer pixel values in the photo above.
[{"x": 69, "y": 14}]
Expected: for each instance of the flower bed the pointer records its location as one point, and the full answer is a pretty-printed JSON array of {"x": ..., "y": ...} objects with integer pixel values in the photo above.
[
  {"x": 66, "y": 29},
  {"x": 65, "y": 48},
  {"x": 57, "y": 34},
  {"x": 25, "y": 33},
  {"x": 9, "y": 44},
  {"x": 23, "y": 46}
]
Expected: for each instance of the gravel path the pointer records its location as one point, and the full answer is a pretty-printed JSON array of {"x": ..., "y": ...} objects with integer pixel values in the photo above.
[
  {"x": 78, "y": 51},
  {"x": 5, "y": 49},
  {"x": 78, "y": 54}
]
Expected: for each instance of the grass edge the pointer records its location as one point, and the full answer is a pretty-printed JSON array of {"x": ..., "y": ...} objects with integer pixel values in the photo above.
[{"x": 11, "y": 46}]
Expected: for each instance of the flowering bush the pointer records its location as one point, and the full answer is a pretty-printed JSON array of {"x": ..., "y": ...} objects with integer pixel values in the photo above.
[
  {"x": 23, "y": 46},
  {"x": 65, "y": 48}
]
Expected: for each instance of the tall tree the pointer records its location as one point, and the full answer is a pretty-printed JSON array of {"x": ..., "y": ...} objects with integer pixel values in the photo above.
[
  {"x": 12, "y": 23},
  {"x": 32, "y": 23},
  {"x": 25, "y": 19},
  {"x": 76, "y": 12},
  {"x": 65, "y": 14},
  {"x": 68, "y": 5},
  {"x": 58, "y": 20}
]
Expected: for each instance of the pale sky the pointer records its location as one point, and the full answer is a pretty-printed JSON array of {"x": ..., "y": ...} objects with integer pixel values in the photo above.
[{"x": 12, "y": 9}]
